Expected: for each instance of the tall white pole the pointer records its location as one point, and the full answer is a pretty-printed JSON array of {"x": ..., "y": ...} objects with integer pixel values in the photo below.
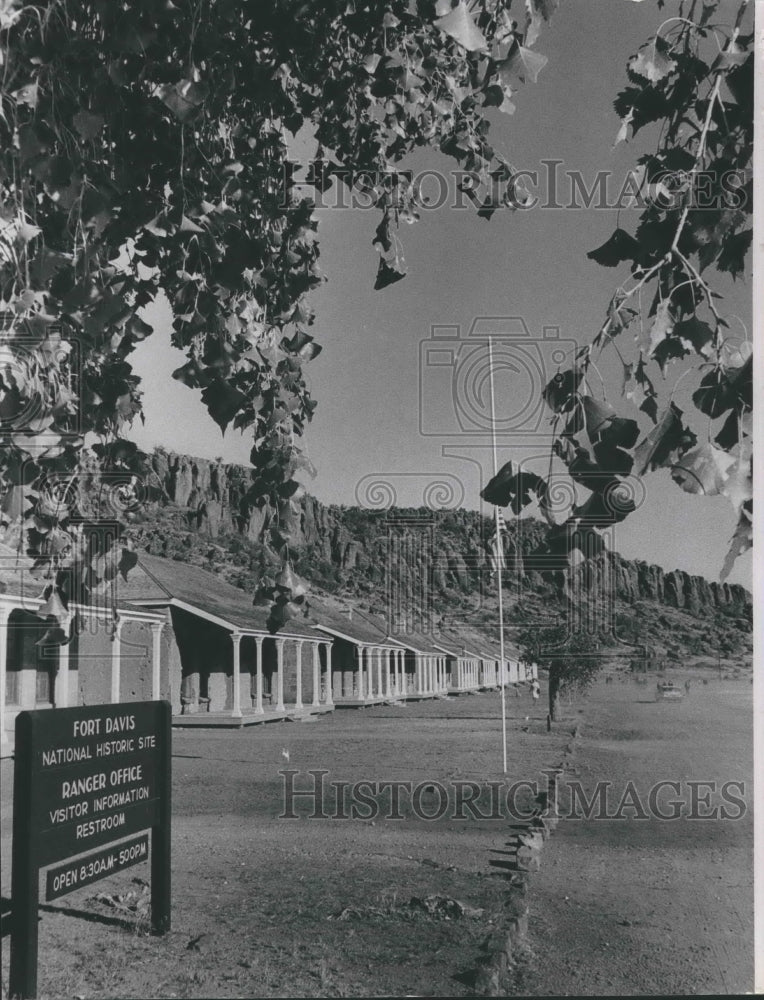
[{"x": 499, "y": 557}]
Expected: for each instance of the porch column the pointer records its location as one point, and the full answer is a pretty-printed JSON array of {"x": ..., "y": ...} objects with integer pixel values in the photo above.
[
  {"x": 116, "y": 651},
  {"x": 156, "y": 660},
  {"x": 369, "y": 673},
  {"x": 388, "y": 654},
  {"x": 236, "y": 640},
  {"x": 298, "y": 674},
  {"x": 259, "y": 675},
  {"x": 280, "y": 675},
  {"x": 329, "y": 700},
  {"x": 399, "y": 671},
  {"x": 61, "y": 688},
  {"x": 380, "y": 675},
  {"x": 5, "y": 612},
  {"x": 361, "y": 667},
  {"x": 316, "y": 676}
]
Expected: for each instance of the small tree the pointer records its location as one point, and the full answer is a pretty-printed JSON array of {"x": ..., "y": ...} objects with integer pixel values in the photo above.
[{"x": 572, "y": 659}]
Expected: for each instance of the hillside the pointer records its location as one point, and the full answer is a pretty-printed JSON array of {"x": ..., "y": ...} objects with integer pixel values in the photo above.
[{"x": 431, "y": 566}]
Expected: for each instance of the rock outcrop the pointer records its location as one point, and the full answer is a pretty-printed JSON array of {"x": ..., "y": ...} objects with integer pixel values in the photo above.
[{"x": 214, "y": 500}]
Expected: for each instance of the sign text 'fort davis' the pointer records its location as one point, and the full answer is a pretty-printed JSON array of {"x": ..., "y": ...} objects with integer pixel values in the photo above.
[{"x": 87, "y": 778}]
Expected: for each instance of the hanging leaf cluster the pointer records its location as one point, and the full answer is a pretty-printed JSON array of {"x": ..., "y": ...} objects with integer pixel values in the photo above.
[
  {"x": 694, "y": 78},
  {"x": 145, "y": 151}
]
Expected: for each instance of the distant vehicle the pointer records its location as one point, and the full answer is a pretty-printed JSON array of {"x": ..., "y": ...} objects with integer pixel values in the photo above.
[{"x": 667, "y": 691}]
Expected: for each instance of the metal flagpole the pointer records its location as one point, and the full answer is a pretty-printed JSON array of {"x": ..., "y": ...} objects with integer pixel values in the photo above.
[{"x": 499, "y": 562}]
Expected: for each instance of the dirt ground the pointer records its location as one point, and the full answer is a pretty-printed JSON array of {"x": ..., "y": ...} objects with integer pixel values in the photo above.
[
  {"x": 649, "y": 906},
  {"x": 271, "y": 907}
]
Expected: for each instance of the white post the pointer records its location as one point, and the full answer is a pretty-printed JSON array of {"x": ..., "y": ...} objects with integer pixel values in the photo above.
[
  {"x": 280, "y": 675},
  {"x": 156, "y": 660},
  {"x": 116, "y": 651},
  {"x": 316, "y": 677},
  {"x": 361, "y": 686},
  {"x": 388, "y": 654},
  {"x": 259, "y": 675},
  {"x": 499, "y": 555},
  {"x": 4, "y": 616},
  {"x": 61, "y": 691},
  {"x": 236, "y": 640},
  {"x": 369, "y": 673},
  {"x": 329, "y": 678},
  {"x": 298, "y": 673},
  {"x": 380, "y": 687}
]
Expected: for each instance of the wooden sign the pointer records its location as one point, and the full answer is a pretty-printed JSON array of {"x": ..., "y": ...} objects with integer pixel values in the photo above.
[{"x": 84, "y": 778}]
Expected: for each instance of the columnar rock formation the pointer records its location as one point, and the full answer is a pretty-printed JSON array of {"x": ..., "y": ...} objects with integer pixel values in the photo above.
[{"x": 214, "y": 501}]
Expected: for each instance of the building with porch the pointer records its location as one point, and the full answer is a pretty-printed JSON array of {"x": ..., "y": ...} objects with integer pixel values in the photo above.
[
  {"x": 368, "y": 666},
  {"x": 230, "y": 669},
  {"x": 94, "y": 654}
]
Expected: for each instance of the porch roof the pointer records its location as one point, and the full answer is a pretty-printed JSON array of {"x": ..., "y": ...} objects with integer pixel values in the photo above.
[
  {"x": 159, "y": 582},
  {"x": 361, "y": 628}
]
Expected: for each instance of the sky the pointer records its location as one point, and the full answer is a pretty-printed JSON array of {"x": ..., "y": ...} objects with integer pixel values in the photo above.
[{"x": 396, "y": 362}]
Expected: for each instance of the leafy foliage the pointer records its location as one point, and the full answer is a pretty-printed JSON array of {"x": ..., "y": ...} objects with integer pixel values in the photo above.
[
  {"x": 695, "y": 79},
  {"x": 572, "y": 658},
  {"x": 144, "y": 150}
]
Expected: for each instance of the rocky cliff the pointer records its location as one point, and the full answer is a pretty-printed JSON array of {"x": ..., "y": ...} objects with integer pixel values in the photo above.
[{"x": 350, "y": 548}]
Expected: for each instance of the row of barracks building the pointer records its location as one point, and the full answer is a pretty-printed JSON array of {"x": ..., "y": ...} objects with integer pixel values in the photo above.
[{"x": 184, "y": 635}]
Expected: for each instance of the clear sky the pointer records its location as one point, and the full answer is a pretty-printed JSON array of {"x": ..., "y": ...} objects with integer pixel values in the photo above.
[{"x": 386, "y": 402}]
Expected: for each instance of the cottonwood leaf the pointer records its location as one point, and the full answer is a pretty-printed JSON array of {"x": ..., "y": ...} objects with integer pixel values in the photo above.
[
  {"x": 127, "y": 561},
  {"x": 623, "y": 131},
  {"x": 560, "y": 392},
  {"x": 27, "y": 94},
  {"x": 665, "y": 443},
  {"x": 458, "y": 23},
  {"x": 732, "y": 56},
  {"x": 703, "y": 470},
  {"x": 653, "y": 61},
  {"x": 742, "y": 540},
  {"x": 223, "y": 402},
  {"x": 695, "y": 335},
  {"x": 387, "y": 274},
  {"x": 611, "y": 436},
  {"x": 662, "y": 326},
  {"x": 536, "y": 12},
  {"x": 138, "y": 329},
  {"x": 512, "y": 487},
  {"x": 734, "y": 250},
  {"x": 521, "y": 64},
  {"x": 738, "y": 487},
  {"x": 182, "y": 98},
  {"x": 733, "y": 355},
  {"x": 722, "y": 389},
  {"x": 303, "y": 345},
  {"x": 619, "y": 247}
]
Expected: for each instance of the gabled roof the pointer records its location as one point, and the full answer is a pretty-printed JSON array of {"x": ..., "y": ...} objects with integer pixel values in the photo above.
[
  {"x": 358, "y": 627},
  {"x": 157, "y": 582},
  {"x": 418, "y": 641}
]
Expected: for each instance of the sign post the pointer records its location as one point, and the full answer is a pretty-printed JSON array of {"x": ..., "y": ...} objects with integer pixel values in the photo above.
[{"x": 85, "y": 778}]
